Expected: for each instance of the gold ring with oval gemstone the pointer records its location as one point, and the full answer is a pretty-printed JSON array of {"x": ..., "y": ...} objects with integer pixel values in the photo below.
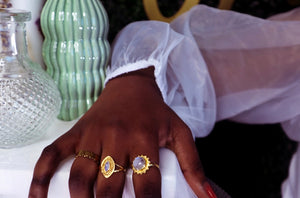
[
  {"x": 141, "y": 164},
  {"x": 108, "y": 167}
]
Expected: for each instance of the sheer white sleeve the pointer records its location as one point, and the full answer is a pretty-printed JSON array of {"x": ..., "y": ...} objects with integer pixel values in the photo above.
[
  {"x": 255, "y": 68},
  {"x": 180, "y": 70},
  {"x": 253, "y": 64}
]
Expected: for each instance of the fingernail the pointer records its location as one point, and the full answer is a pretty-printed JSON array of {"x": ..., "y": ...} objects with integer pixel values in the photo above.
[{"x": 209, "y": 190}]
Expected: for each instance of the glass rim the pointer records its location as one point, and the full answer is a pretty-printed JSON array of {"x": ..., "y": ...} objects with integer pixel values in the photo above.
[{"x": 14, "y": 15}]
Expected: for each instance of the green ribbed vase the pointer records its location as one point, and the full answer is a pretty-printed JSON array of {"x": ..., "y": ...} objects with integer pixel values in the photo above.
[{"x": 75, "y": 51}]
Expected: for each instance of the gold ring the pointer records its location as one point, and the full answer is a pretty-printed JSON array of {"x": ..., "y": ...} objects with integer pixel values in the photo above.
[
  {"x": 108, "y": 167},
  {"x": 88, "y": 155},
  {"x": 141, "y": 164}
]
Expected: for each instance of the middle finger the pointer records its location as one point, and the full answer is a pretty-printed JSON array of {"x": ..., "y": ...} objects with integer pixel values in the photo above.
[
  {"x": 111, "y": 176},
  {"x": 112, "y": 169}
]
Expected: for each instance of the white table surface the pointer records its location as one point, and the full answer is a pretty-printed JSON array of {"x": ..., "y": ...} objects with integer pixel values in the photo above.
[{"x": 16, "y": 169}]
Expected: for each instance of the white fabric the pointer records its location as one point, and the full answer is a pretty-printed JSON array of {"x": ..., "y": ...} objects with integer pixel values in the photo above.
[
  {"x": 178, "y": 64},
  {"x": 213, "y": 64}
]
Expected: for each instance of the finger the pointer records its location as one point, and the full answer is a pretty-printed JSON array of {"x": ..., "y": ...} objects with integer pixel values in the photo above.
[
  {"x": 48, "y": 162},
  {"x": 185, "y": 149},
  {"x": 85, "y": 168},
  {"x": 111, "y": 176},
  {"x": 148, "y": 183}
]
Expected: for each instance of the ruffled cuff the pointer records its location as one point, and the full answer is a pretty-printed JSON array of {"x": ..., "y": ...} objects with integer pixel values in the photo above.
[
  {"x": 180, "y": 70},
  {"x": 142, "y": 64}
]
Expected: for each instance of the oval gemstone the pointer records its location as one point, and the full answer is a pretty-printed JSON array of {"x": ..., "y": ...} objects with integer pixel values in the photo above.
[
  {"x": 139, "y": 163},
  {"x": 107, "y": 166}
]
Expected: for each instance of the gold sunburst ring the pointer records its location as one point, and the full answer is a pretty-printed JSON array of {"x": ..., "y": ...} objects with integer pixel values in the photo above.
[
  {"x": 108, "y": 167},
  {"x": 141, "y": 164}
]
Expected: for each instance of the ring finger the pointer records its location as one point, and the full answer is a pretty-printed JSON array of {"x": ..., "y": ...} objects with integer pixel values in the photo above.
[{"x": 146, "y": 174}]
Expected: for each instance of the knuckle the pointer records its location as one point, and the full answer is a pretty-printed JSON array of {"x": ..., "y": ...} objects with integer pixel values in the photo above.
[
  {"x": 151, "y": 190},
  {"x": 116, "y": 132},
  {"x": 195, "y": 168},
  {"x": 106, "y": 191},
  {"x": 33, "y": 195},
  {"x": 144, "y": 132},
  {"x": 78, "y": 180},
  {"x": 41, "y": 181},
  {"x": 51, "y": 152},
  {"x": 119, "y": 129}
]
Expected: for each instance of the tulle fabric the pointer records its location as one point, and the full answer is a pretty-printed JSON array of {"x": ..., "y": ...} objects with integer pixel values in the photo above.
[
  {"x": 178, "y": 65},
  {"x": 253, "y": 63},
  {"x": 213, "y": 64}
]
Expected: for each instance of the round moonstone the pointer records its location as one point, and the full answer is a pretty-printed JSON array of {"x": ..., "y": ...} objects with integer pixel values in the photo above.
[
  {"x": 107, "y": 166},
  {"x": 139, "y": 163}
]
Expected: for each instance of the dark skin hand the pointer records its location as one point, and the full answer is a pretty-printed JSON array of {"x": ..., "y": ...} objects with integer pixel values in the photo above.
[{"x": 130, "y": 118}]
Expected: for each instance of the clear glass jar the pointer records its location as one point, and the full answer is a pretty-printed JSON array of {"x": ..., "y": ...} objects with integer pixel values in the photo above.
[{"x": 29, "y": 98}]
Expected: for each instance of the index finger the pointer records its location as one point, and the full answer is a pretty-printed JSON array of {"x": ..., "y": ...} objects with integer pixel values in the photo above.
[{"x": 48, "y": 162}]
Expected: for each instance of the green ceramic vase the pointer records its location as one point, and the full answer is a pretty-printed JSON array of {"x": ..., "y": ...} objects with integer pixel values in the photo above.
[{"x": 75, "y": 51}]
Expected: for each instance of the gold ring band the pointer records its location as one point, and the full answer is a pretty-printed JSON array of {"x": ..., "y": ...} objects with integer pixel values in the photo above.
[
  {"x": 108, "y": 167},
  {"x": 141, "y": 164},
  {"x": 89, "y": 155}
]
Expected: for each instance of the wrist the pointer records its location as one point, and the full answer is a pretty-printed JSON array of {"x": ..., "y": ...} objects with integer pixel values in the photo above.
[{"x": 142, "y": 80}]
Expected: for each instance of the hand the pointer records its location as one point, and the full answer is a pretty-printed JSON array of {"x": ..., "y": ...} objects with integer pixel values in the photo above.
[{"x": 130, "y": 118}]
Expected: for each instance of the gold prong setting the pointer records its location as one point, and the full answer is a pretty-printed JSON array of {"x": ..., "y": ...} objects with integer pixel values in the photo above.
[{"x": 141, "y": 164}]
